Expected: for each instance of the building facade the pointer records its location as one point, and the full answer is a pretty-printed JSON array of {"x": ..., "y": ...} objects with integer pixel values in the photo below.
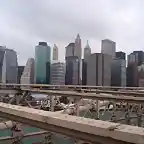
[
  {"x": 78, "y": 53},
  {"x": 20, "y": 72},
  {"x": 84, "y": 72},
  {"x": 77, "y": 47},
  {"x": 28, "y": 72},
  {"x": 118, "y": 72},
  {"x": 74, "y": 49},
  {"x": 141, "y": 75},
  {"x": 2, "y": 52},
  {"x": 132, "y": 75},
  {"x": 42, "y": 63},
  {"x": 87, "y": 51},
  {"x": 99, "y": 69},
  {"x": 121, "y": 55},
  {"x": 131, "y": 58},
  {"x": 70, "y": 50},
  {"x": 137, "y": 57},
  {"x": 108, "y": 47},
  {"x": 10, "y": 67},
  {"x": 73, "y": 57},
  {"x": 57, "y": 73},
  {"x": 55, "y": 52},
  {"x": 72, "y": 75}
]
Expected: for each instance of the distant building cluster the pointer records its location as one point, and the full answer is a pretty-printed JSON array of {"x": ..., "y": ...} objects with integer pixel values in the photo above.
[{"x": 108, "y": 68}]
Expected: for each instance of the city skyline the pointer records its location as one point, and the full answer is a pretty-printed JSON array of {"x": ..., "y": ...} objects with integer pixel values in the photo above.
[
  {"x": 52, "y": 49},
  {"x": 24, "y": 23}
]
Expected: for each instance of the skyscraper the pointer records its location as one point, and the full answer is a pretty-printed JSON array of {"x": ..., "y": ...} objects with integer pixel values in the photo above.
[
  {"x": 28, "y": 72},
  {"x": 10, "y": 66},
  {"x": 108, "y": 47},
  {"x": 73, "y": 62},
  {"x": 77, "y": 48},
  {"x": 118, "y": 72},
  {"x": 57, "y": 73},
  {"x": 84, "y": 72},
  {"x": 87, "y": 50},
  {"x": 55, "y": 52},
  {"x": 120, "y": 55},
  {"x": 137, "y": 57},
  {"x": 141, "y": 75},
  {"x": 131, "y": 59},
  {"x": 20, "y": 72},
  {"x": 42, "y": 63},
  {"x": 2, "y": 52},
  {"x": 78, "y": 53},
  {"x": 72, "y": 71},
  {"x": 99, "y": 69},
  {"x": 74, "y": 49},
  {"x": 132, "y": 74},
  {"x": 87, "y": 53},
  {"x": 70, "y": 50}
]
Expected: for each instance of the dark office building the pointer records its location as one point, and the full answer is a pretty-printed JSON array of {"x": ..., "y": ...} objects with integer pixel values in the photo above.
[
  {"x": 72, "y": 76},
  {"x": 84, "y": 72},
  {"x": 137, "y": 57},
  {"x": 48, "y": 69},
  {"x": 118, "y": 72},
  {"x": 132, "y": 75},
  {"x": 20, "y": 72},
  {"x": 120, "y": 55}
]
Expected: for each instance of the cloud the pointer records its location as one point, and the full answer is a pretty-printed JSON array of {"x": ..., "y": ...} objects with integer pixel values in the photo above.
[{"x": 26, "y": 22}]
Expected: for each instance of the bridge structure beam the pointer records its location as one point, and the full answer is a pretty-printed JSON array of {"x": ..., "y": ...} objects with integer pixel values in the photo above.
[
  {"x": 89, "y": 130},
  {"x": 16, "y": 86},
  {"x": 94, "y": 96},
  {"x": 131, "y": 91},
  {"x": 112, "y": 95}
]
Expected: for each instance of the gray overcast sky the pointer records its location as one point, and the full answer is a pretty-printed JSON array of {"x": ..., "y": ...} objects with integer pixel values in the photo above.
[{"x": 23, "y": 23}]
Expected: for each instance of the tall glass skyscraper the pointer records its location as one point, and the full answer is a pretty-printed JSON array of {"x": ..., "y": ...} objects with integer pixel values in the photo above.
[
  {"x": 42, "y": 63},
  {"x": 10, "y": 66}
]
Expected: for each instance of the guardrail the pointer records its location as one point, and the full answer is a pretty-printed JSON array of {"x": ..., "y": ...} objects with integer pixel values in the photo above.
[
  {"x": 72, "y": 86},
  {"x": 80, "y": 128}
]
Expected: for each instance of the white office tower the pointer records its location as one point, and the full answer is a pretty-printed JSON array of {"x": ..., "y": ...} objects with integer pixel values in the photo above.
[
  {"x": 28, "y": 73},
  {"x": 57, "y": 73},
  {"x": 55, "y": 52},
  {"x": 108, "y": 47},
  {"x": 9, "y": 67},
  {"x": 87, "y": 51}
]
